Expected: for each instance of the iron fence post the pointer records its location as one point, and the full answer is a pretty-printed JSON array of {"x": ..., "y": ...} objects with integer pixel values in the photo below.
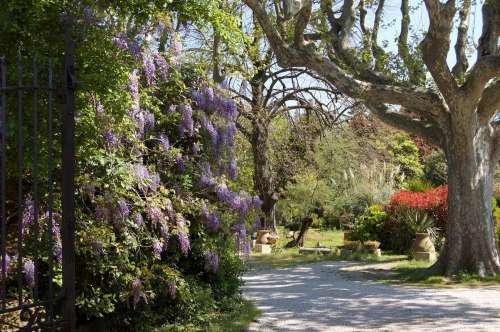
[{"x": 68, "y": 185}]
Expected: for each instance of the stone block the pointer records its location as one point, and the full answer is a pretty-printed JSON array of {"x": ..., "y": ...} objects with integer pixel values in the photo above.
[
  {"x": 424, "y": 256},
  {"x": 324, "y": 251},
  {"x": 263, "y": 248}
]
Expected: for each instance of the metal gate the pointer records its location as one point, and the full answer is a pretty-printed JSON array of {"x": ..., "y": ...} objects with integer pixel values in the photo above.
[{"x": 37, "y": 253}]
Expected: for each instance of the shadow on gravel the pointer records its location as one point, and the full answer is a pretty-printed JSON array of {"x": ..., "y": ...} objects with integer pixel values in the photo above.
[{"x": 316, "y": 298}]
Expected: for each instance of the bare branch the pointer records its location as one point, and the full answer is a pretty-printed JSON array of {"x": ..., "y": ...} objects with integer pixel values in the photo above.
[
  {"x": 436, "y": 44},
  {"x": 421, "y": 100},
  {"x": 376, "y": 50},
  {"x": 489, "y": 105},
  {"x": 488, "y": 43},
  {"x": 485, "y": 69},
  {"x": 301, "y": 22},
  {"x": 462, "y": 64},
  {"x": 400, "y": 120}
]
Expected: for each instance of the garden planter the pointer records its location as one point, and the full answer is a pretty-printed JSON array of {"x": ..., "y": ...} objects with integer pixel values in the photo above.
[
  {"x": 272, "y": 239},
  {"x": 423, "y": 248},
  {"x": 263, "y": 236}
]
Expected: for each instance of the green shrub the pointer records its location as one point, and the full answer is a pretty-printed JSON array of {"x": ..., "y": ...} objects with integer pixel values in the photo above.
[
  {"x": 368, "y": 226},
  {"x": 406, "y": 152},
  {"x": 349, "y": 207},
  {"x": 435, "y": 168},
  {"x": 417, "y": 185}
]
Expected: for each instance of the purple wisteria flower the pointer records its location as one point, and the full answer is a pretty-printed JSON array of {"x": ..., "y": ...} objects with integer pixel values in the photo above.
[
  {"x": 99, "y": 109},
  {"x": 137, "y": 292},
  {"x": 176, "y": 48},
  {"x": 212, "y": 222},
  {"x": 149, "y": 69},
  {"x": 224, "y": 194},
  {"x": 88, "y": 190},
  {"x": 172, "y": 109},
  {"x": 120, "y": 42},
  {"x": 161, "y": 65},
  {"x": 186, "y": 123},
  {"x": 99, "y": 212},
  {"x": 164, "y": 142},
  {"x": 232, "y": 169},
  {"x": 256, "y": 202},
  {"x": 138, "y": 219},
  {"x": 6, "y": 264},
  {"x": 246, "y": 248},
  {"x": 179, "y": 161},
  {"x": 157, "y": 249},
  {"x": 29, "y": 273},
  {"x": 149, "y": 120},
  {"x": 88, "y": 14},
  {"x": 155, "y": 214},
  {"x": 110, "y": 139},
  {"x": 155, "y": 182},
  {"x": 210, "y": 128},
  {"x": 58, "y": 250},
  {"x": 170, "y": 209},
  {"x": 255, "y": 225},
  {"x": 211, "y": 261},
  {"x": 122, "y": 210},
  {"x": 135, "y": 49},
  {"x": 142, "y": 177},
  {"x": 28, "y": 213},
  {"x": 184, "y": 244}
]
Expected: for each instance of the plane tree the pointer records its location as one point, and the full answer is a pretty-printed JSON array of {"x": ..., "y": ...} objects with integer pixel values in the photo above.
[{"x": 454, "y": 108}]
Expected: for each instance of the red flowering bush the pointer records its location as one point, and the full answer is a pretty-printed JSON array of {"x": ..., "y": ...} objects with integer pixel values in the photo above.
[
  {"x": 434, "y": 202},
  {"x": 398, "y": 236}
]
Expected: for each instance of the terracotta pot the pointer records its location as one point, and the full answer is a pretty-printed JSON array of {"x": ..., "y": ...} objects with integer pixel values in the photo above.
[
  {"x": 263, "y": 236},
  {"x": 422, "y": 243},
  {"x": 272, "y": 238}
]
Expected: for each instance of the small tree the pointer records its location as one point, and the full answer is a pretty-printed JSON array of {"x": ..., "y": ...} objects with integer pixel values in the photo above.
[{"x": 457, "y": 109}]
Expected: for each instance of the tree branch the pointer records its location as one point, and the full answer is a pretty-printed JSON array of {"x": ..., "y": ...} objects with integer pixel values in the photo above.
[
  {"x": 488, "y": 43},
  {"x": 436, "y": 44},
  {"x": 301, "y": 22},
  {"x": 489, "y": 104},
  {"x": 376, "y": 50},
  {"x": 402, "y": 121},
  {"x": 486, "y": 68},
  {"x": 460, "y": 47}
]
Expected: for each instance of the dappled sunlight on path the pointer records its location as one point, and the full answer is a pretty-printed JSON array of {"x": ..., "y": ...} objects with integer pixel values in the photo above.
[{"x": 315, "y": 298}]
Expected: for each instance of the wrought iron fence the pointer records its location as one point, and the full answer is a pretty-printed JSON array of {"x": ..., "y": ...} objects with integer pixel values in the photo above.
[{"x": 37, "y": 277}]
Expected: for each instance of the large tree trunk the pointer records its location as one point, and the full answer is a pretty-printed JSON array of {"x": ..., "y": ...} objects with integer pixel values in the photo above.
[
  {"x": 470, "y": 242},
  {"x": 262, "y": 178}
]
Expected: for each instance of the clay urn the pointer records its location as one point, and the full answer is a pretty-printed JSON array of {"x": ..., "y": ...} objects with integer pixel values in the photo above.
[
  {"x": 422, "y": 243},
  {"x": 263, "y": 236}
]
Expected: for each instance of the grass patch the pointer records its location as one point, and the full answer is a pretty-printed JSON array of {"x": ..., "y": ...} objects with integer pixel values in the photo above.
[
  {"x": 418, "y": 273},
  {"x": 236, "y": 320},
  {"x": 236, "y": 317}
]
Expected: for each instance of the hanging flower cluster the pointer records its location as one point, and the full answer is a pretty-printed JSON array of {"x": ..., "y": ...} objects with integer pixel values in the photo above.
[{"x": 218, "y": 122}]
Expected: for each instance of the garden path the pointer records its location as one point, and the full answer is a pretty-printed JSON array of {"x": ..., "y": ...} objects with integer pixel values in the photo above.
[{"x": 316, "y": 298}]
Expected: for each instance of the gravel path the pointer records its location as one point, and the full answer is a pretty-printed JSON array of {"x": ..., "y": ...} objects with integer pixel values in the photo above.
[{"x": 315, "y": 298}]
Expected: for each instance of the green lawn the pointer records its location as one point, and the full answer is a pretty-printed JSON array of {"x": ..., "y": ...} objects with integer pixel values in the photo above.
[
  {"x": 288, "y": 257},
  {"x": 417, "y": 273},
  {"x": 235, "y": 318}
]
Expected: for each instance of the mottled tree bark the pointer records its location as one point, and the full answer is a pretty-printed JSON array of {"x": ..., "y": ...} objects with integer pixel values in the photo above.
[
  {"x": 470, "y": 241},
  {"x": 263, "y": 177}
]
